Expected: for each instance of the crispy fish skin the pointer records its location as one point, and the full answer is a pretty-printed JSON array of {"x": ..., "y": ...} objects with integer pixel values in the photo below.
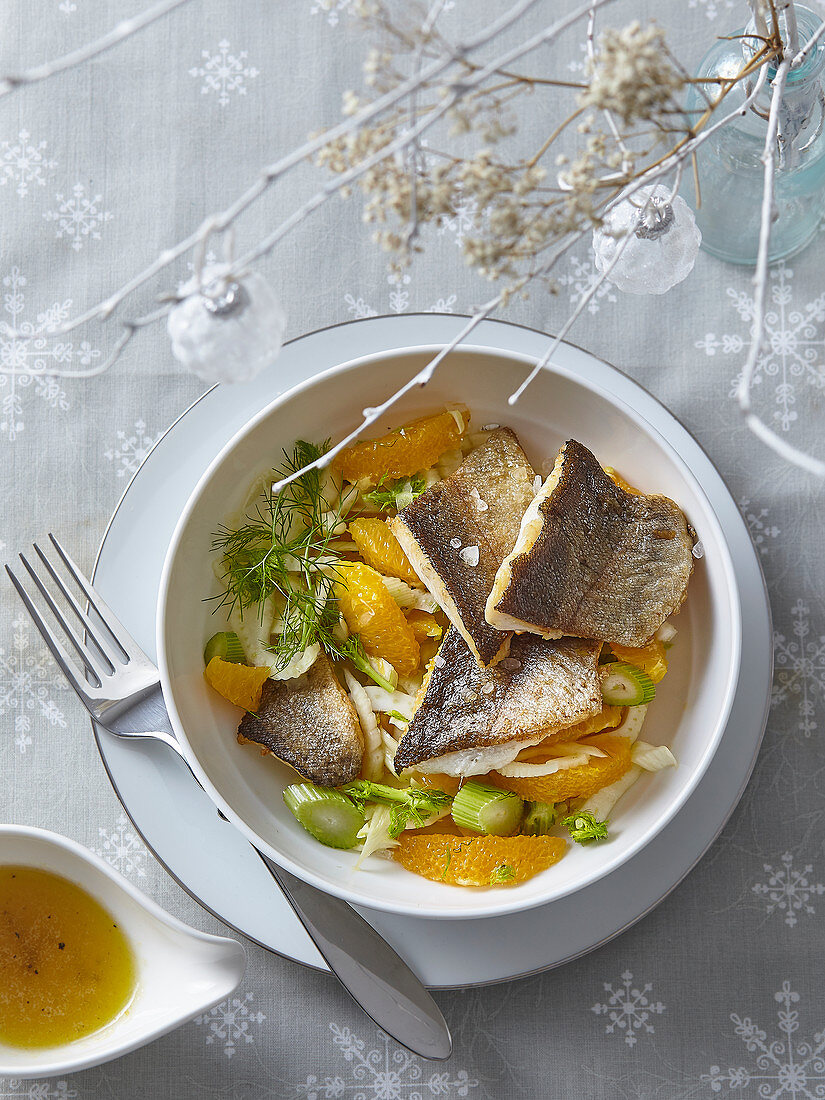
[
  {"x": 480, "y": 505},
  {"x": 468, "y": 717},
  {"x": 591, "y": 560},
  {"x": 309, "y": 723}
]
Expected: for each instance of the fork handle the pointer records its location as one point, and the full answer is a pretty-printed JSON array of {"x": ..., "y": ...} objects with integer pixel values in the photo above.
[
  {"x": 368, "y": 968},
  {"x": 153, "y": 735}
]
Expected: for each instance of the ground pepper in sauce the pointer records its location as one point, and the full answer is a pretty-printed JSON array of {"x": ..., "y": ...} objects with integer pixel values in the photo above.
[{"x": 66, "y": 968}]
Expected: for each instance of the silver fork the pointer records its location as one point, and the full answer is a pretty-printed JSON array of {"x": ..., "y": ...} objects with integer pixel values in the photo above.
[{"x": 120, "y": 688}]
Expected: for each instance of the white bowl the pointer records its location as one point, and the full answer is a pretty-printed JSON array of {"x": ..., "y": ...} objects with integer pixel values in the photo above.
[
  {"x": 180, "y": 972},
  {"x": 692, "y": 705}
]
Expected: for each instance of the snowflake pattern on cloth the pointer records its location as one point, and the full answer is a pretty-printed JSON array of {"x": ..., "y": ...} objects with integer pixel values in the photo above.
[
  {"x": 628, "y": 1009},
  {"x": 24, "y": 163},
  {"x": 580, "y": 279},
  {"x": 28, "y": 678},
  {"x": 223, "y": 72},
  {"x": 78, "y": 217},
  {"x": 781, "y": 1068},
  {"x": 130, "y": 451},
  {"x": 793, "y": 343},
  {"x": 398, "y": 300},
  {"x": 13, "y": 1089},
  {"x": 800, "y": 668},
  {"x": 712, "y": 8},
  {"x": 332, "y": 10},
  {"x": 788, "y": 890},
  {"x": 228, "y": 1023},
  {"x": 27, "y": 349},
  {"x": 757, "y": 520},
  {"x": 123, "y": 848},
  {"x": 383, "y": 1075},
  {"x": 462, "y": 221}
]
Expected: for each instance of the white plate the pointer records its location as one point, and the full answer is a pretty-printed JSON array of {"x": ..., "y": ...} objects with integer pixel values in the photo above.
[
  {"x": 691, "y": 710},
  {"x": 213, "y": 862}
]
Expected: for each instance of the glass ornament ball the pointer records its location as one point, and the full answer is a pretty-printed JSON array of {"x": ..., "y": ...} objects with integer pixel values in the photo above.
[
  {"x": 226, "y": 329},
  {"x": 661, "y": 249}
]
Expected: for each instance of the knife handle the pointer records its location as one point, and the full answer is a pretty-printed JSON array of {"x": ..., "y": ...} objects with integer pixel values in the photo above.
[{"x": 368, "y": 968}]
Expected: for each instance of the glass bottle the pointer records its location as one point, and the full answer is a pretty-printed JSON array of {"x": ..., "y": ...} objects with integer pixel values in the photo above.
[{"x": 730, "y": 171}]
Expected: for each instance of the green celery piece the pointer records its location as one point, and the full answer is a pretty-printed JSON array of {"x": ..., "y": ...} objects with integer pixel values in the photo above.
[
  {"x": 539, "y": 818},
  {"x": 327, "y": 814},
  {"x": 486, "y": 809}
]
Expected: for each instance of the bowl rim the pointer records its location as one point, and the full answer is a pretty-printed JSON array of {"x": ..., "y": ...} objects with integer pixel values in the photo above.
[
  {"x": 93, "y": 1055},
  {"x": 510, "y": 902}
]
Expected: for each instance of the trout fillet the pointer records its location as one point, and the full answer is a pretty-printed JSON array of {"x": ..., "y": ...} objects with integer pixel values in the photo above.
[
  {"x": 310, "y": 724},
  {"x": 470, "y": 720},
  {"x": 591, "y": 560}
]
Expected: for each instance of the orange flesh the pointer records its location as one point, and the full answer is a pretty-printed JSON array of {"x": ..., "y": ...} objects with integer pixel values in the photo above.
[
  {"x": 478, "y": 860},
  {"x": 405, "y": 451},
  {"x": 240, "y": 684}
]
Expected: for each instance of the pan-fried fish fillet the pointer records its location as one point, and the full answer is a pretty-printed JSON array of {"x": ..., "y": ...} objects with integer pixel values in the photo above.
[
  {"x": 457, "y": 533},
  {"x": 310, "y": 723},
  {"x": 591, "y": 560},
  {"x": 470, "y": 720}
]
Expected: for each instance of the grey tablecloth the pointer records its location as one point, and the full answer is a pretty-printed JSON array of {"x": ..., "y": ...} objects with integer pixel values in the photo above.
[{"x": 720, "y": 989}]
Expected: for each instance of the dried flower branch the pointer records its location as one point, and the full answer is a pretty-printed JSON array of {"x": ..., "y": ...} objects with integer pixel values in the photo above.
[{"x": 436, "y": 126}]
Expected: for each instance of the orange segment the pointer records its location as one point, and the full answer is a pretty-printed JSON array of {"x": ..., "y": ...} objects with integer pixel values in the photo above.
[
  {"x": 240, "y": 684},
  {"x": 478, "y": 860},
  {"x": 424, "y": 625},
  {"x": 574, "y": 782},
  {"x": 371, "y": 612},
  {"x": 651, "y": 658},
  {"x": 406, "y": 450},
  {"x": 379, "y": 548}
]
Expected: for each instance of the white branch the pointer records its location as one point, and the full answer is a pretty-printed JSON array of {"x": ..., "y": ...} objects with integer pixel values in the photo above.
[
  {"x": 809, "y": 45},
  {"x": 792, "y": 45},
  {"x": 125, "y": 29},
  {"x": 220, "y": 222}
]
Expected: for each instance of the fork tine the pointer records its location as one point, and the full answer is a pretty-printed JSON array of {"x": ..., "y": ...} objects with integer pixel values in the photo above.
[
  {"x": 83, "y": 653},
  {"x": 120, "y": 635},
  {"x": 78, "y": 610},
  {"x": 55, "y": 646}
]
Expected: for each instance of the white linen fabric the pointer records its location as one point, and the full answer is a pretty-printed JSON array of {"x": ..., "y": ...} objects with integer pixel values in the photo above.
[{"x": 719, "y": 989}]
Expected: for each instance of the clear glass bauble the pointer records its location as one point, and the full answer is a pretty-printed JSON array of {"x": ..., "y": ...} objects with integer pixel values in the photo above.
[
  {"x": 731, "y": 173},
  {"x": 226, "y": 330},
  {"x": 650, "y": 240}
]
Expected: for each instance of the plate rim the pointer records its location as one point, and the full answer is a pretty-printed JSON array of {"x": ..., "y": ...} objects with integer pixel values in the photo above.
[{"x": 764, "y": 606}]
